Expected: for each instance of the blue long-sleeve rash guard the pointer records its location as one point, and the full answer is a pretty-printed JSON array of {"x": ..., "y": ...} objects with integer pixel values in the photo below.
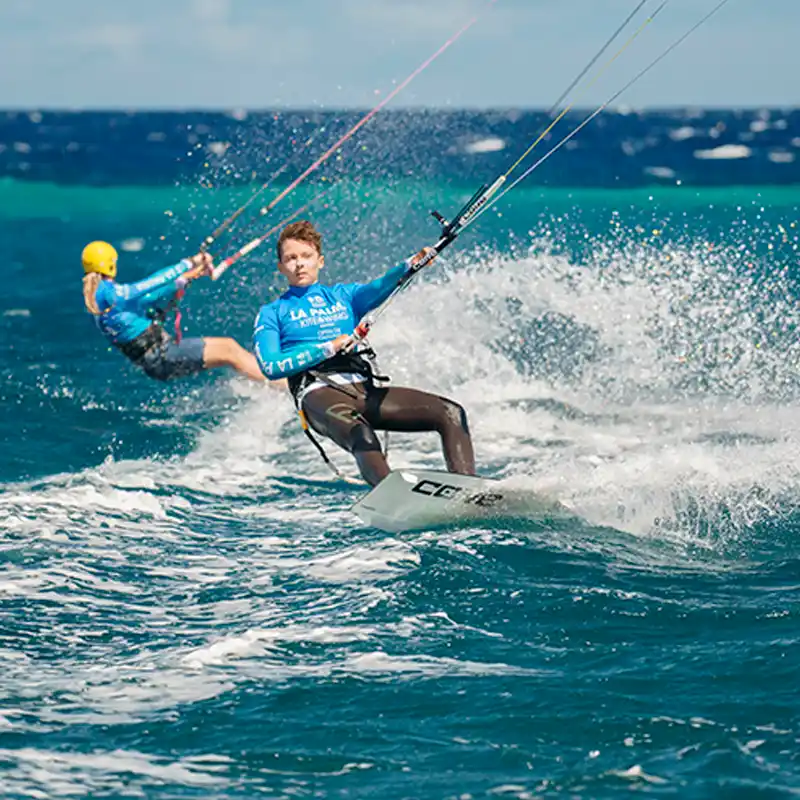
[
  {"x": 290, "y": 333},
  {"x": 126, "y": 307}
]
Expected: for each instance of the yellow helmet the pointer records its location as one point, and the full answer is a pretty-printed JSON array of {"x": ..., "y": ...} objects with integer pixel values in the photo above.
[{"x": 100, "y": 257}]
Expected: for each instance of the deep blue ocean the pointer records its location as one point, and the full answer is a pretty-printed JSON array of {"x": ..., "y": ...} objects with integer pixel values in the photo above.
[{"x": 189, "y": 609}]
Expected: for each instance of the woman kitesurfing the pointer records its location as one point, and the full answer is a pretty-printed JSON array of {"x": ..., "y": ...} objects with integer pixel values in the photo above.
[{"x": 131, "y": 316}]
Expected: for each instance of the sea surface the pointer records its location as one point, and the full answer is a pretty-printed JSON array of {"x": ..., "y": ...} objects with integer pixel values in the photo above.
[{"x": 189, "y": 609}]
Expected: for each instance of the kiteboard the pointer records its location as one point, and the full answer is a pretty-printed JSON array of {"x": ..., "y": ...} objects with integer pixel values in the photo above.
[{"x": 414, "y": 499}]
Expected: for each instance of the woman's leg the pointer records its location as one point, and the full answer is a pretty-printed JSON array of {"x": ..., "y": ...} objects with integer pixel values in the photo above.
[{"x": 225, "y": 352}]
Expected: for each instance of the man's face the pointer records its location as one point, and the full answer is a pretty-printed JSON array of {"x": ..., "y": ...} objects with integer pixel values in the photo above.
[{"x": 300, "y": 262}]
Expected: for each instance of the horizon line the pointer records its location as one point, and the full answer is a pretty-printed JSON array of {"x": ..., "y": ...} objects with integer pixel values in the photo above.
[{"x": 238, "y": 110}]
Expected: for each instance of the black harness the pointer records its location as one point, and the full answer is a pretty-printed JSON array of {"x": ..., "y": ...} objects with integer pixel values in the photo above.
[
  {"x": 136, "y": 349},
  {"x": 356, "y": 363}
]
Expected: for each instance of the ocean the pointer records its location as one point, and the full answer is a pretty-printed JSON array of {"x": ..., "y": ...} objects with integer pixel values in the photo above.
[{"x": 189, "y": 609}]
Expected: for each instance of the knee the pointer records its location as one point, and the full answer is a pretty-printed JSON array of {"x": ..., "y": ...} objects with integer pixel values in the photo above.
[
  {"x": 363, "y": 439},
  {"x": 232, "y": 348},
  {"x": 454, "y": 415},
  {"x": 229, "y": 352}
]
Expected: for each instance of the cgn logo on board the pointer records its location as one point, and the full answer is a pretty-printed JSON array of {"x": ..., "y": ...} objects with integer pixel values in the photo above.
[{"x": 444, "y": 491}]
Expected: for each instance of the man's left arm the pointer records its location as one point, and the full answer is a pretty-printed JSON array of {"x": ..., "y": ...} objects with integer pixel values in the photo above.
[{"x": 368, "y": 296}]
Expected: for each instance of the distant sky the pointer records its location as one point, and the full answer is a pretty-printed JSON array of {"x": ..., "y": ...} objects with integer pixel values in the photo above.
[{"x": 344, "y": 53}]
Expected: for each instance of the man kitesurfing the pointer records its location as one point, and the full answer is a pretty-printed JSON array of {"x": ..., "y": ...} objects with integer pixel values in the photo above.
[{"x": 306, "y": 336}]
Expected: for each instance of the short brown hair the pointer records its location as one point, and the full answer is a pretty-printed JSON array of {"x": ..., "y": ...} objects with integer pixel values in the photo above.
[{"x": 304, "y": 231}]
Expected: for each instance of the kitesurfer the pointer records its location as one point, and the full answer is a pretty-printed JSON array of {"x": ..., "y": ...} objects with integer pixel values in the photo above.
[
  {"x": 305, "y": 336},
  {"x": 131, "y": 315}
]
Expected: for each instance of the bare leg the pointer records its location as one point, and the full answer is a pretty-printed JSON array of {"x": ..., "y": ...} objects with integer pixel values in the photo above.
[{"x": 225, "y": 352}]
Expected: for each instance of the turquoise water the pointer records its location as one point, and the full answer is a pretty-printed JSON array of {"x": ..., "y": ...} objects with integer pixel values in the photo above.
[{"x": 190, "y": 610}]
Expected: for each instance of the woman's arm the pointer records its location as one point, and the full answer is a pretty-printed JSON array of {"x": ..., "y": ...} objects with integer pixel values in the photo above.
[
  {"x": 158, "y": 286},
  {"x": 166, "y": 282}
]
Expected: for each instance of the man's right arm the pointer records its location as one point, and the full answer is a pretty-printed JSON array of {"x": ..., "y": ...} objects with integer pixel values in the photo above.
[{"x": 278, "y": 363}]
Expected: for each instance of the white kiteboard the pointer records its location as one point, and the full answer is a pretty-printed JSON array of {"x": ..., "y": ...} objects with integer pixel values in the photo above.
[{"x": 420, "y": 498}]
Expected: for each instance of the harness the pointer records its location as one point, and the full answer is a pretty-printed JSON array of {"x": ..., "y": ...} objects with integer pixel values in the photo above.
[
  {"x": 159, "y": 315},
  {"x": 154, "y": 336},
  {"x": 136, "y": 349},
  {"x": 360, "y": 363}
]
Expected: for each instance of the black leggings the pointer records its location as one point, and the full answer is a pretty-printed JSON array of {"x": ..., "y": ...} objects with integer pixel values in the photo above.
[{"x": 350, "y": 415}]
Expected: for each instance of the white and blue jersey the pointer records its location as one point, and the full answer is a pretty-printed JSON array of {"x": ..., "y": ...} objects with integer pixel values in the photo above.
[
  {"x": 126, "y": 309},
  {"x": 291, "y": 333}
]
